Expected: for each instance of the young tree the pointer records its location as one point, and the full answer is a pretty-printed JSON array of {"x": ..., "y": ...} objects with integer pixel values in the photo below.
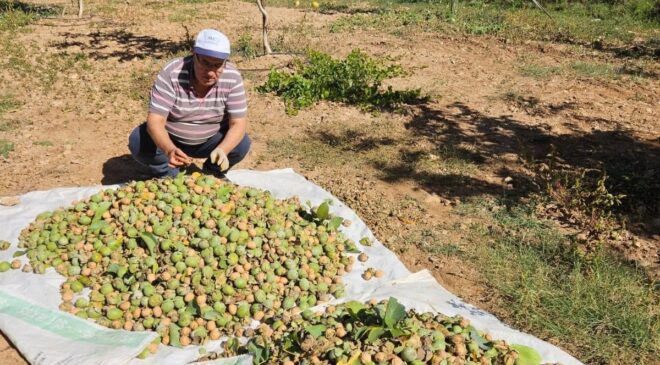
[{"x": 264, "y": 28}]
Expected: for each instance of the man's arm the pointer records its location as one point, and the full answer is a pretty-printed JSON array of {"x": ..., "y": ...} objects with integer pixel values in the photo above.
[
  {"x": 158, "y": 133},
  {"x": 235, "y": 134}
]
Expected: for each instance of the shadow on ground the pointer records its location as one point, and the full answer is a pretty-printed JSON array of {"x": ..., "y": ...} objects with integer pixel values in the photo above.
[
  {"x": 120, "y": 169},
  {"x": 125, "y": 46},
  {"x": 468, "y": 136},
  {"x": 34, "y": 9},
  {"x": 632, "y": 165}
]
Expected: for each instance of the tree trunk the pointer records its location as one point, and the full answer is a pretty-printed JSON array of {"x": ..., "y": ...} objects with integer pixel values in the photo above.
[
  {"x": 80, "y": 8},
  {"x": 267, "y": 48}
]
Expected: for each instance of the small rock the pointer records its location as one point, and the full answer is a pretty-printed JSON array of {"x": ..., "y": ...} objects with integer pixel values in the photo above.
[{"x": 508, "y": 179}]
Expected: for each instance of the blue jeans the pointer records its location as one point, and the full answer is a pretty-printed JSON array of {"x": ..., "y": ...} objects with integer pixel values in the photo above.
[{"x": 144, "y": 151}]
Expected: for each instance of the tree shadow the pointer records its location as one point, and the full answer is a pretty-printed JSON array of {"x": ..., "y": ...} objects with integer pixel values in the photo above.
[
  {"x": 466, "y": 141},
  {"x": 37, "y": 10},
  {"x": 330, "y": 9},
  {"x": 649, "y": 48},
  {"x": 632, "y": 165},
  {"x": 121, "y": 169},
  {"x": 354, "y": 140},
  {"x": 124, "y": 45}
]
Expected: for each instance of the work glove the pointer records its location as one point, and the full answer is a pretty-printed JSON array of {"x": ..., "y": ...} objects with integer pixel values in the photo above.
[{"x": 219, "y": 157}]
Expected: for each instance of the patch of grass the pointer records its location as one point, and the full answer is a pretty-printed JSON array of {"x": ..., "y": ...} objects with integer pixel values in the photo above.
[
  {"x": 589, "y": 69},
  {"x": 43, "y": 143},
  {"x": 183, "y": 15},
  {"x": 448, "y": 249},
  {"x": 539, "y": 71},
  {"x": 141, "y": 82},
  {"x": 61, "y": 64},
  {"x": 8, "y": 125},
  {"x": 602, "y": 309},
  {"x": 17, "y": 14},
  {"x": 355, "y": 80},
  {"x": 308, "y": 152},
  {"x": 443, "y": 160},
  {"x": 246, "y": 46},
  {"x": 14, "y": 57},
  {"x": 7, "y": 103},
  {"x": 598, "y": 25},
  {"x": 485, "y": 21},
  {"x": 5, "y": 147}
]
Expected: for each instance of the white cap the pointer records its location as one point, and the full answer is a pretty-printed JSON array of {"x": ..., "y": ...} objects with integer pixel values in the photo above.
[{"x": 212, "y": 43}]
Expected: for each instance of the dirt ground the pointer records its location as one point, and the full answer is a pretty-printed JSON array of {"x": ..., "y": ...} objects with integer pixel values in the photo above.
[{"x": 73, "y": 126}]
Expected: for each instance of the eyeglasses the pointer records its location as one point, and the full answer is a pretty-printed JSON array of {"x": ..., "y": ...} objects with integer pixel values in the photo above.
[{"x": 209, "y": 65}]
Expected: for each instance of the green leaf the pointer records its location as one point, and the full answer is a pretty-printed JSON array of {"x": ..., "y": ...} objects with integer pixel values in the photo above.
[
  {"x": 98, "y": 212},
  {"x": 354, "y": 308},
  {"x": 335, "y": 222},
  {"x": 193, "y": 307},
  {"x": 211, "y": 315},
  {"x": 232, "y": 345},
  {"x": 316, "y": 331},
  {"x": 121, "y": 271},
  {"x": 288, "y": 344},
  {"x": 18, "y": 253},
  {"x": 97, "y": 226},
  {"x": 149, "y": 241},
  {"x": 375, "y": 333},
  {"x": 260, "y": 354},
  {"x": 394, "y": 313},
  {"x": 526, "y": 355},
  {"x": 323, "y": 211},
  {"x": 174, "y": 335},
  {"x": 479, "y": 340}
]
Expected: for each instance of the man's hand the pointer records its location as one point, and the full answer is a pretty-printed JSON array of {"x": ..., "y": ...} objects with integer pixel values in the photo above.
[
  {"x": 178, "y": 158},
  {"x": 219, "y": 157}
]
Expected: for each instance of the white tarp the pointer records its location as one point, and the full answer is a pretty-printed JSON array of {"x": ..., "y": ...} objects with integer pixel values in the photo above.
[{"x": 30, "y": 317}]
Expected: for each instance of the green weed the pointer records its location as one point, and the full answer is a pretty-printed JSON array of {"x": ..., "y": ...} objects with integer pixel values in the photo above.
[
  {"x": 598, "y": 25},
  {"x": 246, "y": 46},
  {"x": 17, "y": 14},
  {"x": 141, "y": 82},
  {"x": 448, "y": 249},
  {"x": 7, "y": 103},
  {"x": 593, "y": 69},
  {"x": 43, "y": 143},
  {"x": 310, "y": 153},
  {"x": 355, "y": 80},
  {"x": 539, "y": 71},
  {"x": 8, "y": 125},
  {"x": 5, "y": 147},
  {"x": 600, "y": 308},
  {"x": 196, "y": 1},
  {"x": 183, "y": 15}
]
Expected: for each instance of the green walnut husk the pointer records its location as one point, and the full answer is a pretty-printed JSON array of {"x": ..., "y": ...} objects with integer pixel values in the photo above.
[
  {"x": 191, "y": 252},
  {"x": 377, "y": 333}
]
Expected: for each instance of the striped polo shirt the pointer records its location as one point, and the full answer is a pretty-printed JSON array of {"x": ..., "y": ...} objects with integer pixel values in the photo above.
[{"x": 192, "y": 120}]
